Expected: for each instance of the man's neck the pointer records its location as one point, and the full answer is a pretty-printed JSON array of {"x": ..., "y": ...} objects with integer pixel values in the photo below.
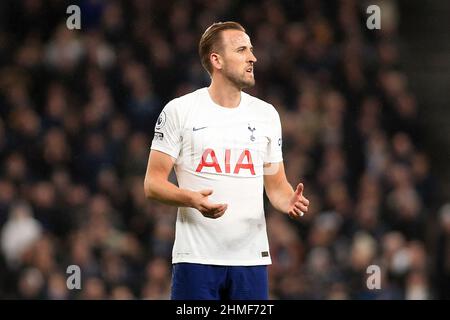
[{"x": 224, "y": 94}]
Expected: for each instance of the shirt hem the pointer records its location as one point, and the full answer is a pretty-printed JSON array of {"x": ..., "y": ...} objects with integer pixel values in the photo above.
[
  {"x": 274, "y": 160},
  {"x": 259, "y": 262}
]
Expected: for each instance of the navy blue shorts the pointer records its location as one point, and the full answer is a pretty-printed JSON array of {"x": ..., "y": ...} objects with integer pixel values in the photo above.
[{"x": 192, "y": 281}]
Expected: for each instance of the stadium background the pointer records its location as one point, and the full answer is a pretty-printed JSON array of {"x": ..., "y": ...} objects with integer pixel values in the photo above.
[{"x": 77, "y": 111}]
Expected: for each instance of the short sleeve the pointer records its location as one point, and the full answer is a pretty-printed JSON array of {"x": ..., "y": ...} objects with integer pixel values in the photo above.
[
  {"x": 274, "y": 147},
  {"x": 167, "y": 136}
]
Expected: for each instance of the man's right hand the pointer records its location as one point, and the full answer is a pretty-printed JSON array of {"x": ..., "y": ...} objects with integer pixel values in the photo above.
[{"x": 207, "y": 209}]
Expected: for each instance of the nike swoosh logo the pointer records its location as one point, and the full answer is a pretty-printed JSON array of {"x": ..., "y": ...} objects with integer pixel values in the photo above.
[{"x": 196, "y": 129}]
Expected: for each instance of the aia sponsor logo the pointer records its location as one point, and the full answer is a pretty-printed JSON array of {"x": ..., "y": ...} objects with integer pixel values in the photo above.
[{"x": 210, "y": 160}]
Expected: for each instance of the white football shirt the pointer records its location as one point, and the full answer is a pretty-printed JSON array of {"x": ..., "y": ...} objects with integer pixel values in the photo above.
[{"x": 222, "y": 149}]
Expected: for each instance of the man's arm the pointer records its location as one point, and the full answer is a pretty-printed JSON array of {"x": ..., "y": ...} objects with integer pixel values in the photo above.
[
  {"x": 158, "y": 187},
  {"x": 281, "y": 194}
]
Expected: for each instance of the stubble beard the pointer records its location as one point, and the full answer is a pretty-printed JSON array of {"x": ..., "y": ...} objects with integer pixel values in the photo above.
[{"x": 240, "y": 81}]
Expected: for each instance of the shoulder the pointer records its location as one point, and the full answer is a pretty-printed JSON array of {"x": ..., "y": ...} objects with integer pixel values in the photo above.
[
  {"x": 183, "y": 103},
  {"x": 191, "y": 96},
  {"x": 262, "y": 106}
]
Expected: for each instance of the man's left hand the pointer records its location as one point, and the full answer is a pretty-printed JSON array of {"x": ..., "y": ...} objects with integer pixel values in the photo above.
[{"x": 298, "y": 205}]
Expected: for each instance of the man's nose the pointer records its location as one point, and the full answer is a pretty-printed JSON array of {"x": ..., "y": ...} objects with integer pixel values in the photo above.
[{"x": 252, "y": 58}]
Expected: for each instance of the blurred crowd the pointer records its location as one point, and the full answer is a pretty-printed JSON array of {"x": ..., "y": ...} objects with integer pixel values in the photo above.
[{"x": 77, "y": 113}]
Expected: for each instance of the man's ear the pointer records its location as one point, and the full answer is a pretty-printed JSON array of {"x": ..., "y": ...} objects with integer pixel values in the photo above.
[{"x": 216, "y": 60}]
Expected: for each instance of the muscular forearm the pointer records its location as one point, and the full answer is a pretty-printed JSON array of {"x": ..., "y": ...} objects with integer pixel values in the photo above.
[
  {"x": 280, "y": 197},
  {"x": 168, "y": 193}
]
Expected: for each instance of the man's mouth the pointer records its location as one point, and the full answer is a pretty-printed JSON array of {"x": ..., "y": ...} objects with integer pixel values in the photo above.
[{"x": 250, "y": 70}]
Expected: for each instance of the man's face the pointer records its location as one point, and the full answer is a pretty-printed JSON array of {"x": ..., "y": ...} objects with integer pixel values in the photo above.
[{"x": 238, "y": 58}]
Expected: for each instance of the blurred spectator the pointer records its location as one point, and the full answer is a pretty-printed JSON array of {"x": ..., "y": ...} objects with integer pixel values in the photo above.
[{"x": 19, "y": 233}]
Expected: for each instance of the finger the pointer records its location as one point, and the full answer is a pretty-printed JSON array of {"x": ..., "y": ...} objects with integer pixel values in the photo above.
[
  {"x": 222, "y": 207},
  {"x": 299, "y": 212},
  {"x": 206, "y": 192},
  {"x": 304, "y": 201},
  {"x": 215, "y": 214},
  {"x": 213, "y": 206},
  {"x": 214, "y": 209},
  {"x": 293, "y": 215},
  {"x": 208, "y": 213},
  {"x": 299, "y": 189},
  {"x": 301, "y": 207},
  {"x": 219, "y": 214}
]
